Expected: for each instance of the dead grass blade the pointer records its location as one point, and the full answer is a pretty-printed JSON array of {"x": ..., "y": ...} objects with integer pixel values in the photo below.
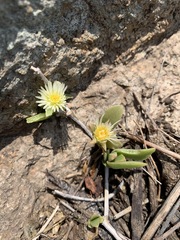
[{"x": 166, "y": 207}]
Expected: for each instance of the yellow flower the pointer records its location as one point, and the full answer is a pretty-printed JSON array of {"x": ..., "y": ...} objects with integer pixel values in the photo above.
[
  {"x": 52, "y": 96},
  {"x": 104, "y": 135},
  {"x": 103, "y": 132}
]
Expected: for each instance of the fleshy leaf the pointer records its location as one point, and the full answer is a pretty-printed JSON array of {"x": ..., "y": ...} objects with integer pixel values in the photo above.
[
  {"x": 105, "y": 155},
  {"x": 135, "y": 154},
  {"x": 49, "y": 112},
  {"x": 113, "y": 157},
  {"x": 113, "y": 144},
  {"x": 103, "y": 145},
  {"x": 113, "y": 114},
  {"x": 124, "y": 165},
  {"x": 37, "y": 118},
  {"x": 95, "y": 220},
  {"x": 68, "y": 96}
]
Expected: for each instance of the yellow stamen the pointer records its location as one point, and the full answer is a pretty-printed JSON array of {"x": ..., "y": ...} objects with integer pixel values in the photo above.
[
  {"x": 102, "y": 133},
  {"x": 55, "y": 98}
]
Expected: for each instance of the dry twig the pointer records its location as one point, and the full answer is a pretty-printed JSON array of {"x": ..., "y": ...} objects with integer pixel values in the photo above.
[
  {"x": 171, "y": 199},
  {"x": 166, "y": 223},
  {"x": 46, "y": 223},
  {"x": 38, "y": 71},
  {"x": 169, "y": 232},
  {"x": 154, "y": 123},
  {"x": 71, "y": 225},
  {"x": 76, "y": 198},
  {"x": 110, "y": 229},
  {"x": 127, "y": 210}
]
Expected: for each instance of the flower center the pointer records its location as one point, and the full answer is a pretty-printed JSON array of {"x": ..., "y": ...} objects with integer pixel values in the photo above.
[
  {"x": 55, "y": 98},
  {"x": 102, "y": 133}
]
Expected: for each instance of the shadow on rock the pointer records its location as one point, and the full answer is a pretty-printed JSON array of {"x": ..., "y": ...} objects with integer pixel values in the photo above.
[{"x": 52, "y": 134}]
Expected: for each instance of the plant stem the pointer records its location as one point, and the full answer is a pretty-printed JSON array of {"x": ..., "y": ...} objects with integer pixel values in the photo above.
[
  {"x": 106, "y": 193},
  {"x": 38, "y": 71},
  {"x": 82, "y": 126},
  {"x": 110, "y": 229},
  {"x": 106, "y": 224}
]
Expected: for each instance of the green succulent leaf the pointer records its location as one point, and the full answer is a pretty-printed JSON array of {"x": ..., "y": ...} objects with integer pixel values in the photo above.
[
  {"x": 37, "y": 118},
  {"x": 95, "y": 220},
  {"x": 124, "y": 165},
  {"x": 68, "y": 96},
  {"x": 113, "y": 114},
  {"x": 113, "y": 157},
  {"x": 106, "y": 155},
  {"x": 49, "y": 112},
  {"x": 135, "y": 154},
  {"x": 40, "y": 117},
  {"x": 113, "y": 144}
]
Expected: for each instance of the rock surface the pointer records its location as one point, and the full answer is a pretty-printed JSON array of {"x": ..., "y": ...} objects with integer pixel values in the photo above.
[
  {"x": 25, "y": 204},
  {"x": 69, "y": 40},
  {"x": 76, "y": 42}
]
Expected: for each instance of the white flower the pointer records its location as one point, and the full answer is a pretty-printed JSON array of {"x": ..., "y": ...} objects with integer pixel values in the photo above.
[{"x": 52, "y": 96}]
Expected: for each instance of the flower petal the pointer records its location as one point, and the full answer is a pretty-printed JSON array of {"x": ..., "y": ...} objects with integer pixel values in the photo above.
[{"x": 52, "y": 96}]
